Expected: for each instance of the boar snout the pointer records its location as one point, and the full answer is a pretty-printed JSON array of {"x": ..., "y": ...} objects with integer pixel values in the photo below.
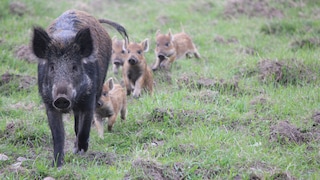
[
  {"x": 62, "y": 102},
  {"x": 133, "y": 61}
]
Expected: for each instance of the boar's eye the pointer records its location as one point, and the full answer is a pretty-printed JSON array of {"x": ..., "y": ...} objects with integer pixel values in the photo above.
[
  {"x": 128, "y": 51},
  {"x": 167, "y": 44},
  {"x": 123, "y": 51},
  {"x": 105, "y": 93},
  {"x": 139, "y": 51},
  {"x": 51, "y": 68},
  {"x": 74, "y": 68},
  {"x": 112, "y": 51}
]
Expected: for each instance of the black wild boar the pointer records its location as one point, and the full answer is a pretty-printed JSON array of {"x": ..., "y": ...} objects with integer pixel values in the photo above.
[{"x": 74, "y": 54}]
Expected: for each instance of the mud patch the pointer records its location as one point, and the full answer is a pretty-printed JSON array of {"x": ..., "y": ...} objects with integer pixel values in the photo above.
[
  {"x": 261, "y": 8},
  {"x": 13, "y": 82},
  {"x": 285, "y": 133},
  {"x": 24, "y": 52},
  {"x": 285, "y": 72}
]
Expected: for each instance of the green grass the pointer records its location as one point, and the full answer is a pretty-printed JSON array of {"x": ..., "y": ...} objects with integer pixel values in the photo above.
[{"x": 182, "y": 131}]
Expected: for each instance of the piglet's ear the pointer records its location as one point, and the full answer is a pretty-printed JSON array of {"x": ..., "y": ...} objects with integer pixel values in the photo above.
[
  {"x": 110, "y": 83},
  {"x": 145, "y": 45},
  {"x": 170, "y": 35},
  {"x": 40, "y": 42},
  {"x": 158, "y": 32},
  {"x": 84, "y": 40}
]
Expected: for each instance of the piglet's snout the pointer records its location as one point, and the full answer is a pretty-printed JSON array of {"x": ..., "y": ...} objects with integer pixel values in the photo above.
[{"x": 133, "y": 61}]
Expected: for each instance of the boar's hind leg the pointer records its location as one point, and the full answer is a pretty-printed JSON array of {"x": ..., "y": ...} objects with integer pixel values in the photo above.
[
  {"x": 57, "y": 131},
  {"x": 82, "y": 127}
]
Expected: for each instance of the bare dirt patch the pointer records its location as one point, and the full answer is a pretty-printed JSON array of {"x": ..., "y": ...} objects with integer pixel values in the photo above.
[
  {"x": 165, "y": 114},
  {"x": 147, "y": 169},
  {"x": 101, "y": 158},
  {"x": 285, "y": 72},
  {"x": 222, "y": 40},
  {"x": 24, "y": 52},
  {"x": 18, "y": 8},
  {"x": 284, "y": 133},
  {"x": 247, "y": 50},
  {"x": 261, "y": 8},
  {"x": 18, "y": 133},
  {"x": 207, "y": 83},
  {"x": 13, "y": 82}
]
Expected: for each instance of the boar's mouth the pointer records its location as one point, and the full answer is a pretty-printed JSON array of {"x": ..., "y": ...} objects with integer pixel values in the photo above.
[{"x": 104, "y": 112}]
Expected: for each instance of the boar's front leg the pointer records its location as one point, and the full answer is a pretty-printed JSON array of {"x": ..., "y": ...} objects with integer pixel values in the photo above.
[
  {"x": 83, "y": 120},
  {"x": 57, "y": 131}
]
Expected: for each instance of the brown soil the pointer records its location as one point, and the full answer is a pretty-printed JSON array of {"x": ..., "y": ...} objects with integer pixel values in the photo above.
[
  {"x": 24, "y": 52},
  {"x": 207, "y": 83},
  {"x": 261, "y": 8},
  {"x": 164, "y": 114},
  {"x": 222, "y": 40},
  {"x": 101, "y": 158},
  {"x": 152, "y": 170},
  {"x": 285, "y": 72},
  {"x": 18, "y": 8},
  {"x": 12, "y": 82},
  {"x": 284, "y": 132}
]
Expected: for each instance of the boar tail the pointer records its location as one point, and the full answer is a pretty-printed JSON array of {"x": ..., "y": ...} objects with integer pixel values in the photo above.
[{"x": 117, "y": 26}]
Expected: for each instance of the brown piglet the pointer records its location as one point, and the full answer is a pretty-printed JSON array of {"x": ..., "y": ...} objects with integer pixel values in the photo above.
[
  {"x": 119, "y": 54},
  {"x": 112, "y": 101},
  {"x": 171, "y": 47},
  {"x": 137, "y": 75}
]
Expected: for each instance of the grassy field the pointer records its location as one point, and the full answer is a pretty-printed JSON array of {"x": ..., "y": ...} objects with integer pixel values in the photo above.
[{"x": 249, "y": 109}]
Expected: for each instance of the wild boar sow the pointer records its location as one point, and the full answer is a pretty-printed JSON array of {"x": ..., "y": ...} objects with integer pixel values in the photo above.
[{"x": 74, "y": 53}]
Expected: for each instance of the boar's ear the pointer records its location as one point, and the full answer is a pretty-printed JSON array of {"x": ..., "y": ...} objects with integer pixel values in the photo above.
[
  {"x": 40, "y": 42},
  {"x": 170, "y": 35},
  {"x": 145, "y": 45},
  {"x": 84, "y": 41},
  {"x": 158, "y": 32},
  {"x": 110, "y": 83}
]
